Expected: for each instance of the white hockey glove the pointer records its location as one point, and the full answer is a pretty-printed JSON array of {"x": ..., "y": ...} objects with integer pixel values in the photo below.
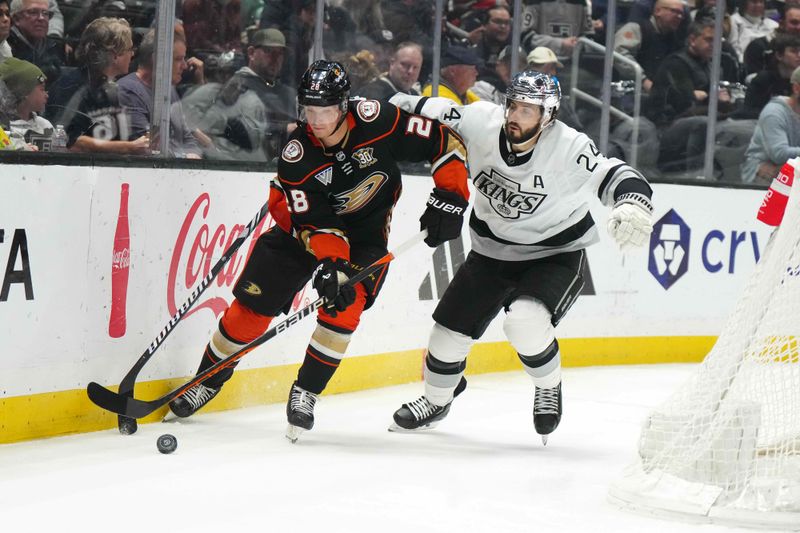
[{"x": 631, "y": 220}]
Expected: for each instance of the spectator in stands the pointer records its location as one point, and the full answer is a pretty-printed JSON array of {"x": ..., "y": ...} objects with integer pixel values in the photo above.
[
  {"x": 409, "y": 20},
  {"x": 254, "y": 112},
  {"x": 91, "y": 111},
  {"x": 56, "y": 27},
  {"x": 361, "y": 68},
  {"x": 403, "y": 74},
  {"x": 496, "y": 34},
  {"x": 679, "y": 99},
  {"x": 5, "y": 28},
  {"x": 458, "y": 72},
  {"x": 774, "y": 80},
  {"x": 749, "y": 23},
  {"x": 650, "y": 41},
  {"x": 758, "y": 54},
  {"x": 776, "y": 138},
  {"x": 367, "y": 16},
  {"x": 25, "y": 82},
  {"x": 493, "y": 80},
  {"x": 212, "y": 26},
  {"x": 555, "y": 24},
  {"x": 295, "y": 19},
  {"x": 136, "y": 95},
  {"x": 28, "y": 38}
]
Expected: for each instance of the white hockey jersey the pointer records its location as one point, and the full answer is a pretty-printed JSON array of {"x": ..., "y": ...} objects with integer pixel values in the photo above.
[{"x": 532, "y": 204}]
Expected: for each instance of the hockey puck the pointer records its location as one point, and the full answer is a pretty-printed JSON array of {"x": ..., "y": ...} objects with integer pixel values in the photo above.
[{"x": 167, "y": 443}]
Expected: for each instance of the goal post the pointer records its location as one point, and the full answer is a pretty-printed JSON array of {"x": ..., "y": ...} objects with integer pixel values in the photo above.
[{"x": 725, "y": 447}]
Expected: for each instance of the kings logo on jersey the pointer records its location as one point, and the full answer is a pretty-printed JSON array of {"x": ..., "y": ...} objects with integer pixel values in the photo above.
[{"x": 505, "y": 196}]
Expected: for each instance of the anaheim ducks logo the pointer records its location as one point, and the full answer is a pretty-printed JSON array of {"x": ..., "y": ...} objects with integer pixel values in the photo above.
[
  {"x": 368, "y": 110},
  {"x": 359, "y": 196},
  {"x": 251, "y": 288},
  {"x": 292, "y": 152}
]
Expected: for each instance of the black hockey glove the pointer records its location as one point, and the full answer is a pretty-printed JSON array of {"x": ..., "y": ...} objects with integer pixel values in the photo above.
[
  {"x": 443, "y": 216},
  {"x": 329, "y": 281}
]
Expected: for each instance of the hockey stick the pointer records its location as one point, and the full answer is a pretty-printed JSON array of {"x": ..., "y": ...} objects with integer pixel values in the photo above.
[
  {"x": 126, "y": 405},
  {"x": 128, "y": 426}
]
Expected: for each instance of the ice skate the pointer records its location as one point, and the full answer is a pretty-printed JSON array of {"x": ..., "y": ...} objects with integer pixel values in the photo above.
[
  {"x": 422, "y": 414},
  {"x": 192, "y": 400},
  {"x": 546, "y": 410},
  {"x": 299, "y": 412}
]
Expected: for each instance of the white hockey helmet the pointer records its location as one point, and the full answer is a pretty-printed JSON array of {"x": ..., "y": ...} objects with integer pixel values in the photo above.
[{"x": 532, "y": 87}]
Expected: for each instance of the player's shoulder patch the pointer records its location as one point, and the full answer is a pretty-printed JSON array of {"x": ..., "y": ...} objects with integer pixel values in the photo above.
[
  {"x": 368, "y": 110},
  {"x": 292, "y": 152}
]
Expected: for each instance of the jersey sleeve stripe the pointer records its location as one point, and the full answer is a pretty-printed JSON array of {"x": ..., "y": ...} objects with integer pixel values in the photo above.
[
  {"x": 607, "y": 180},
  {"x": 420, "y": 105},
  {"x": 312, "y": 173},
  {"x": 379, "y": 137}
]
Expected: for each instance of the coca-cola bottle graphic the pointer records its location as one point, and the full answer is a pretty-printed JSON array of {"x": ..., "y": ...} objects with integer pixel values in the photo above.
[{"x": 120, "y": 263}]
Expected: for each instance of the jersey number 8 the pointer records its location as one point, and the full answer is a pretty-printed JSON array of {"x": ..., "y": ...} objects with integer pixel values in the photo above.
[{"x": 298, "y": 201}]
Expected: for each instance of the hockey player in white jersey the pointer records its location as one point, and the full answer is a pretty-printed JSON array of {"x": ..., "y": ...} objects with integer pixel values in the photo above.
[{"x": 530, "y": 224}]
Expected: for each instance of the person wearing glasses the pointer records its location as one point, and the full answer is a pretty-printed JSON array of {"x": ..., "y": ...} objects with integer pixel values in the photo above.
[
  {"x": 496, "y": 34},
  {"x": 650, "y": 41},
  {"x": 28, "y": 38}
]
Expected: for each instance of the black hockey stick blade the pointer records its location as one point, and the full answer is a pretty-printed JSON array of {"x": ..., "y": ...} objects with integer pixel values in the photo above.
[{"x": 128, "y": 406}]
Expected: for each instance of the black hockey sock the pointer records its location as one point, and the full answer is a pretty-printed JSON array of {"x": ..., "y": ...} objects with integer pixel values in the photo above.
[
  {"x": 216, "y": 381},
  {"x": 537, "y": 365},
  {"x": 316, "y": 371}
]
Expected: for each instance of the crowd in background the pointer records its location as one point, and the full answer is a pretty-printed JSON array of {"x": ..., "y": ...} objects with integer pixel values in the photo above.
[{"x": 78, "y": 75}]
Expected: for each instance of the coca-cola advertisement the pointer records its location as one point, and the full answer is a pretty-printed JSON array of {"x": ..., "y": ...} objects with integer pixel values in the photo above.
[{"x": 120, "y": 267}]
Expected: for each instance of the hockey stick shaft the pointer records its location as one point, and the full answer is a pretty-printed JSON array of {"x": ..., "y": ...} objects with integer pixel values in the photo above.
[
  {"x": 131, "y": 407},
  {"x": 127, "y": 383}
]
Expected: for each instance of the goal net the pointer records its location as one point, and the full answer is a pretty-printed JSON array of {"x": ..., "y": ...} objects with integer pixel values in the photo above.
[{"x": 725, "y": 447}]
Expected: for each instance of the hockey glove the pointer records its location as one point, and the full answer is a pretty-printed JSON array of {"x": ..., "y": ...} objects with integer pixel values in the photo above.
[
  {"x": 329, "y": 281},
  {"x": 631, "y": 220},
  {"x": 443, "y": 217}
]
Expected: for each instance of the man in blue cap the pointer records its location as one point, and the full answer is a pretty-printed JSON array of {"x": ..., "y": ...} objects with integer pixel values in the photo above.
[{"x": 459, "y": 72}]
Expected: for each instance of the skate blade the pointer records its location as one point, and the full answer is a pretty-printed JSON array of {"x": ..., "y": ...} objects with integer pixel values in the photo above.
[
  {"x": 394, "y": 428},
  {"x": 544, "y": 440},
  {"x": 169, "y": 417},
  {"x": 293, "y": 433}
]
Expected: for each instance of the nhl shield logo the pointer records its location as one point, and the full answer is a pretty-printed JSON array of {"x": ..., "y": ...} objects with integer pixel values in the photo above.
[
  {"x": 292, "y": 152},
  {"x": 368, "y": 110},
  {"x": 506, "y": 196}
]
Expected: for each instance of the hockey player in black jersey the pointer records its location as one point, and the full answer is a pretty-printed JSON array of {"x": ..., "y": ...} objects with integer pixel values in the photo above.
[
  {"x": 337, "y": 184},
  {"x": 534, "y": 177}
]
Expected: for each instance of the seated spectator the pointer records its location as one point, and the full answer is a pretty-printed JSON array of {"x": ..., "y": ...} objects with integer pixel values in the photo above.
[
  {"x": 368, "y": 18},
  {"x": 496, "y": 34},
  {"x": 295, "y": 19},
  {"x": 136, "y": 95},
  {"x": 86, "y": 101},
  {"x": 25, "y": 83},
  {"x": 458, "y": 72},
  {"x": 28, "y": 38},
  {"x": 749, "y": 23},
  {"x": 555, "y": 24},
  {"x": 5, "y": 28},
  {"x": 650, "y": 41},
  {"x": 773, "y": 81},
  {"x": 679, "y": 99},
  {"x": 404, "y": 68},
  {"x": 776, "y": 138},
  {"x": 758, "y": 54},
  {"x": 493, "y": 81},
  {"x": 254, "y": 112}
]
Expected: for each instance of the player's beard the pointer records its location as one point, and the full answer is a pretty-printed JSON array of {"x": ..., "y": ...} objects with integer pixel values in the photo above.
[{"x": 519, "y": 136}]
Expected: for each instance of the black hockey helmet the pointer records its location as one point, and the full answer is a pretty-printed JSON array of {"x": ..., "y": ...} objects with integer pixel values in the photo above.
[{"x": 324, "y": 83}]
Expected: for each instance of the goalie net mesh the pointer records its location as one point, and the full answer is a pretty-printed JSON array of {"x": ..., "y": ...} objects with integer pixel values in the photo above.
[{"x": 725, "y": 447}]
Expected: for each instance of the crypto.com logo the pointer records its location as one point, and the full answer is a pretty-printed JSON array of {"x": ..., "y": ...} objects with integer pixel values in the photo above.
[{"x": 669, "y": 249}]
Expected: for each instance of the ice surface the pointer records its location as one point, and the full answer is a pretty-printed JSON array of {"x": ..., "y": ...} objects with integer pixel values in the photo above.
[{"x": 483, "y": 469}]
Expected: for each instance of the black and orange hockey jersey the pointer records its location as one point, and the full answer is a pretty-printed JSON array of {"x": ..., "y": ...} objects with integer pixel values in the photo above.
[{"x": 344, "y": 195}]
